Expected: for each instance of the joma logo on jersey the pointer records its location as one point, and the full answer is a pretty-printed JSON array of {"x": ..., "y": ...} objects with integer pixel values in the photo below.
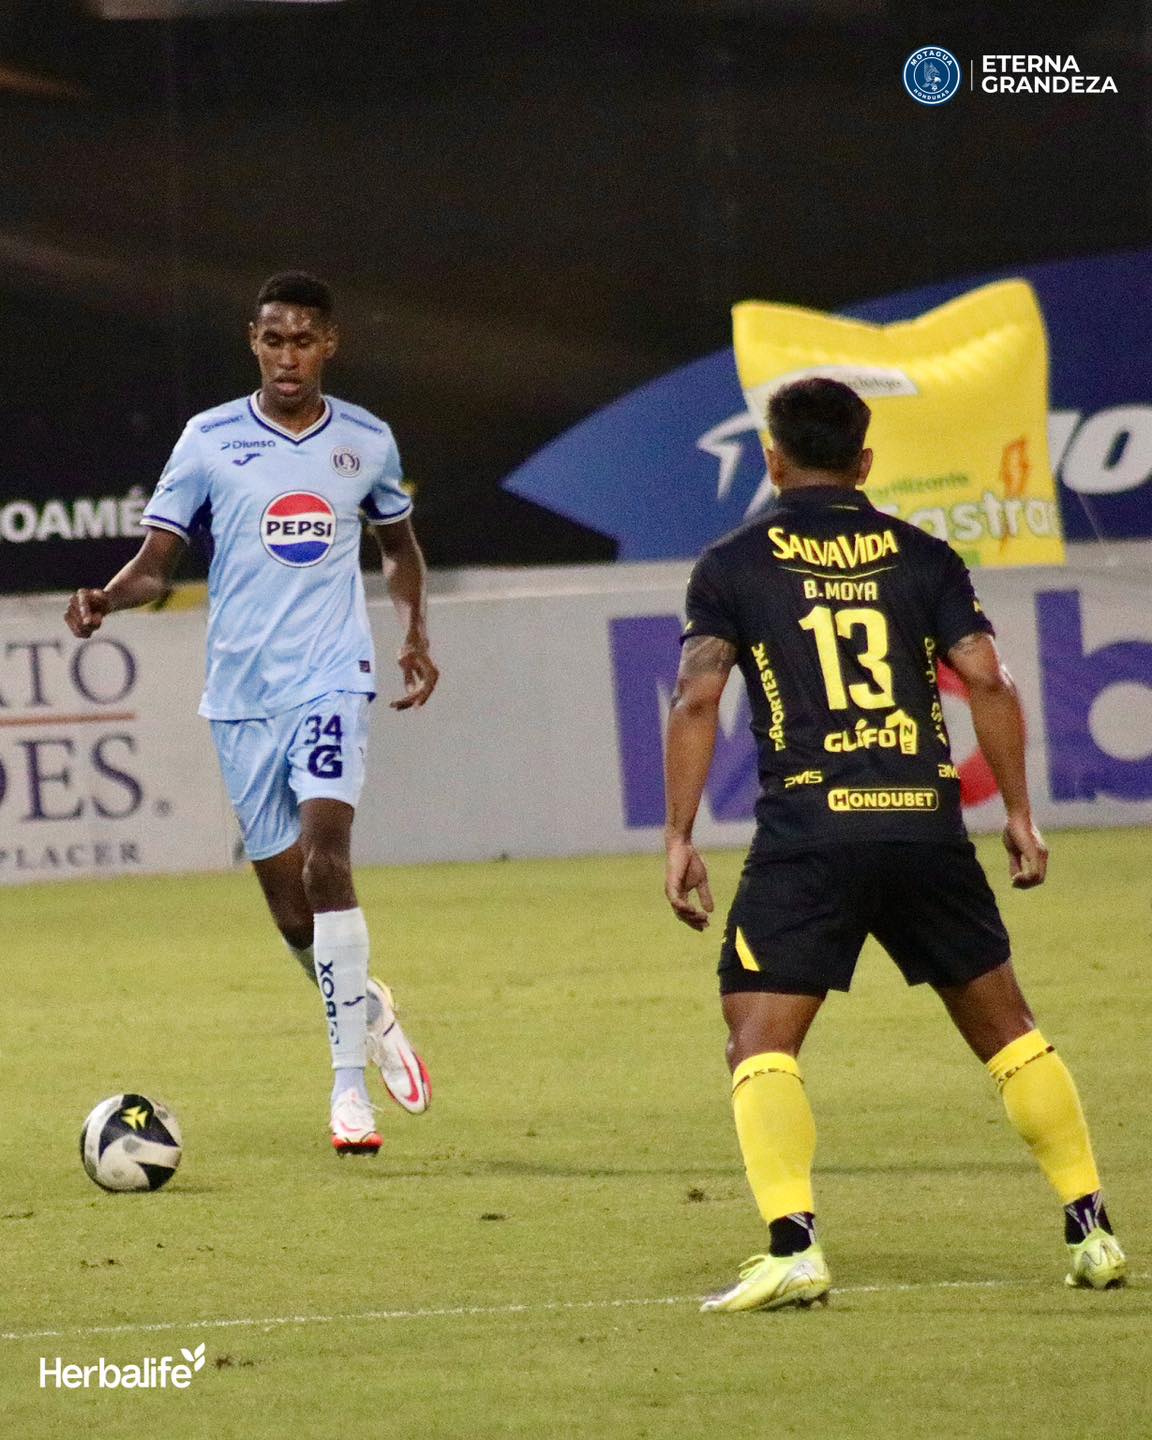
[
  {"x": 842, "y": 552},
  {"x": 298, "y": 529}
]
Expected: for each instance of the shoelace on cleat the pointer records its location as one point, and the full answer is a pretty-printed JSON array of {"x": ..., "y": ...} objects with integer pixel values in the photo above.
[
  {"x": 359, "y": 1104},
  {"x": 751, "y": 1265}
]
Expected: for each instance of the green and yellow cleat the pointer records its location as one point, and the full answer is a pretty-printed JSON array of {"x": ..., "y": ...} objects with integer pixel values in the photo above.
[
  {"x": 769, "y": 1282},
  {"x": 1098, "y": 1263}
]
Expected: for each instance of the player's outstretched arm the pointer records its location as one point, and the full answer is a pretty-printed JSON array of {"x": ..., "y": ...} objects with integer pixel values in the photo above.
[
  {"x": 407, "y": 579},
  {"x": 146, "y": 578},
  {"x": 999, "y": 725},
  {"x": 705, "y": 663}
]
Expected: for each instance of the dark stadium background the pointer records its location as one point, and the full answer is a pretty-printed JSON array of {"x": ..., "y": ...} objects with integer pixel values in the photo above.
[{"x": 527, "y": 211}]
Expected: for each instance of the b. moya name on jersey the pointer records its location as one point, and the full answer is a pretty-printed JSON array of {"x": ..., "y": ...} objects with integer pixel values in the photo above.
[{"x": 841, "y": 552}]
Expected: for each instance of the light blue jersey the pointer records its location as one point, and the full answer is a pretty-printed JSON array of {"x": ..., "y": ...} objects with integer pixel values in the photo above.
[{"x": 286, "y": 614}]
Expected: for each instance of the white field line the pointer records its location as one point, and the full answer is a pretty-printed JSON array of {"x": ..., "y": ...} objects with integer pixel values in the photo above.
[{"x": 543, "y": 1307}]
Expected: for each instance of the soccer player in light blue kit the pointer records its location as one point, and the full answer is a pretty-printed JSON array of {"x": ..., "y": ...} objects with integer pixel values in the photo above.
[{"x": 281, "y": 482}]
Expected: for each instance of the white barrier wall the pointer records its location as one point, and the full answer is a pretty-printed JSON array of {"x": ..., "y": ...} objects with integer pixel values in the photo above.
[
  {"x": 104, "y": 766},
  {"x": 544, "y": 737}
]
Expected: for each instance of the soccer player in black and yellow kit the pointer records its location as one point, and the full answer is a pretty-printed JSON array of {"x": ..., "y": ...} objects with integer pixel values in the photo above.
[{"x": 836, "y": 615}]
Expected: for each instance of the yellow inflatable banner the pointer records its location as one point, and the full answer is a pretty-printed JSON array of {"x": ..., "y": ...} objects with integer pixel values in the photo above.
[{"x": 959, "y": 400}]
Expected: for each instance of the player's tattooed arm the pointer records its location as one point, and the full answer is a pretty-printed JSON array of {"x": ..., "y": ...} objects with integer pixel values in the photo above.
[
  {"x": 971, "y": 645},
  {"x": 705, "y": 663},
  {"x": 705, "y": 655}
]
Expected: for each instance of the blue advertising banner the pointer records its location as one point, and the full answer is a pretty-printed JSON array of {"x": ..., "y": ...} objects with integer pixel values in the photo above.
[
  {"x": 670, "y": 467},
  {"x": 1072, "y": 673}
]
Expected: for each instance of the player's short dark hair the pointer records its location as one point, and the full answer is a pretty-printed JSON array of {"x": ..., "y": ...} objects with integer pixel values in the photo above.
[
  {"x": 819, "y": 424},
  {"x": 296, "y": 287}
]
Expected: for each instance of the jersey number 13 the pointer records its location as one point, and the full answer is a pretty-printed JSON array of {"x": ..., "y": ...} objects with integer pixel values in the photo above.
[{"x": 827, "y": 625}]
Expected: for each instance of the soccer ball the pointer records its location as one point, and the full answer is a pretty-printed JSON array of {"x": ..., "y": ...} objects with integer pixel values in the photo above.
[{"x": 130, "y": 1143}]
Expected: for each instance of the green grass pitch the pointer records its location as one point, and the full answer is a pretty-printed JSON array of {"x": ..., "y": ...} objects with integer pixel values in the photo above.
[{"x": 522, "y": 1260}]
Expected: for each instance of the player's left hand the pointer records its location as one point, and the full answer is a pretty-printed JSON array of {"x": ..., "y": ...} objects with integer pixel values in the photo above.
[
  {"x": 685, "y": 872},
  {"x": 420, "y": 677},
  {"x": 1027, "y": 852}
]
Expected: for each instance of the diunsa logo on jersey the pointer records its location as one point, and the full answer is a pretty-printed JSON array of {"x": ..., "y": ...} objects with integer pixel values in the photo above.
[{"x": 298, "y": 528}]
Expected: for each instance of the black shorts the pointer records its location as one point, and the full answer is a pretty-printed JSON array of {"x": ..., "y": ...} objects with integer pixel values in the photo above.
[{"x": 798, "y": 921}]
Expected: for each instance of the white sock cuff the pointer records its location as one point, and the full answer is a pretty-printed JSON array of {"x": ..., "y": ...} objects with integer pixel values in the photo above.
[{"x": 339, "y": 927}]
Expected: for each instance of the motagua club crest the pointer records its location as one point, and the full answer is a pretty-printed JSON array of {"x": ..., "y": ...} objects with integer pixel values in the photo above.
[
  {"x": 345, "y": 461},
  {"x": 932, "y": 75}
]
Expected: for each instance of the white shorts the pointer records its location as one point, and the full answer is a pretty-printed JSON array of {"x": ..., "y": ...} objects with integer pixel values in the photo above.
[{"x": 314, "y": 752}]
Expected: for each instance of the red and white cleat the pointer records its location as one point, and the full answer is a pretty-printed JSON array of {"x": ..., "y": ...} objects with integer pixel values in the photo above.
[
  {"x": 404, "y": 1074},
  {"x": 353, "y": 1125}
]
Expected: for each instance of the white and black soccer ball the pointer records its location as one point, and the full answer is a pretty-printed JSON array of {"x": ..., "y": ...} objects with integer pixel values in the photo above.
[{"x": 130, "y": 1142}]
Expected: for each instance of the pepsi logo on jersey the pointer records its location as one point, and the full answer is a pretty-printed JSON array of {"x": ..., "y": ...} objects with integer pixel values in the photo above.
[{"x": 298, "y": 528}]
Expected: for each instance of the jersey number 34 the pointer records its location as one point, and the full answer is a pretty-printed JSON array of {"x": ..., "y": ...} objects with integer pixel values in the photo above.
[{"x": 325, "y": 761}]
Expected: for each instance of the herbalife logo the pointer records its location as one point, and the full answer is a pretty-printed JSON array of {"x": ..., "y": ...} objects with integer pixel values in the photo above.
[{"x": 152, "y": 1373}]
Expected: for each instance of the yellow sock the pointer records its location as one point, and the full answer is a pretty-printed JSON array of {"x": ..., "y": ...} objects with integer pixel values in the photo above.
[
  {"x": 777, "y": 1133},
  {"x": 1041, "y": 1100}
]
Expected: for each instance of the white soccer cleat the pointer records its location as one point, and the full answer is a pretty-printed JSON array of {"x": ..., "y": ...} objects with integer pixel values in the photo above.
[
  {"x": 354, "y": 1125},
  {"x": 404, "y": 1074}
]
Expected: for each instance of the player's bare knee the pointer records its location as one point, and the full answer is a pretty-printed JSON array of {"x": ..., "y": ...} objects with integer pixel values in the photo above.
[
  {"x": 762, "y": 1023},
  {"x": 758, "y": 1035},
  {"x": 989, "y": 1011},
  {"x": 327, "y": 878},
  {"x": 290, "y": 911}
]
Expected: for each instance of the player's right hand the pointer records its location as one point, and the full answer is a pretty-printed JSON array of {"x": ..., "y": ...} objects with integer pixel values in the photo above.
[
  {"x": 685, "y": 872},
  {"x": 1027, "y": 852},
  {"x": 86, "y": 611}
]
